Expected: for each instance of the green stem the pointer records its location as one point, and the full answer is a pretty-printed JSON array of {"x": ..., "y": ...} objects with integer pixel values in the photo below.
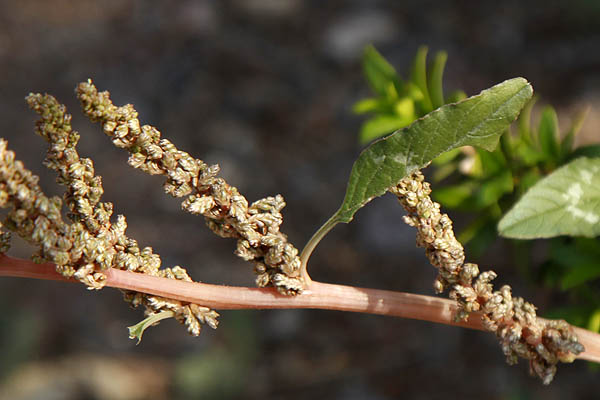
[{"x": 312, "y": 244}]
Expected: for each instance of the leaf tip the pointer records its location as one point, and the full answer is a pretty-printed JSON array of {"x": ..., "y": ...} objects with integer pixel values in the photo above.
[{"x": 136, "y": 331}]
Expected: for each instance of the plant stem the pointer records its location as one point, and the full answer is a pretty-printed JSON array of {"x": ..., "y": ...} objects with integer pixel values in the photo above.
[
  {"x": 312, "y": 244},
  {"x": 318, "y": 296}
]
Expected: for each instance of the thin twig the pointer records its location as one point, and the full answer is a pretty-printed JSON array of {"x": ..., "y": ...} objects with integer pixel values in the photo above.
[{"x": 318, "y": 296}]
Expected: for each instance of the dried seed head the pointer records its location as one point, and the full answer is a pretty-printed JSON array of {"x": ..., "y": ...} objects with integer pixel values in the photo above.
[
  {"x": 227, "y": 212},
  {"x": 545, "y": 342},
  {"x": 91, "y": 243}
]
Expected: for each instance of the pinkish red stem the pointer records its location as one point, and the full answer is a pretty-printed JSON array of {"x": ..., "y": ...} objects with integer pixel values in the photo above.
[{"x": 318, "y": 295}]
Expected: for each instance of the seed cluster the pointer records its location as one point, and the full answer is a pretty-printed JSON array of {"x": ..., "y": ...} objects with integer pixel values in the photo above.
[
  {"x": 227, "y": 213},
  {"x": 521, "y": 333},
  {"x": 91, "y": 244}
]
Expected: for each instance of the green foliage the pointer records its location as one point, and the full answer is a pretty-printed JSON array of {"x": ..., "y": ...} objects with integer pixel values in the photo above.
[
  {"x": 380, "y": 74},
  {"x": 398, "y": 103},
  {"x": 488, "y": 184},
  {"x": 566, "y": 202},
  {"x": 476, "y": 121},
  {"x": 572, "y": 267},
  {"x": 578, "y": 259},
  {"x": 482, "y": 183},
  {"x": 586, "y": 151}
]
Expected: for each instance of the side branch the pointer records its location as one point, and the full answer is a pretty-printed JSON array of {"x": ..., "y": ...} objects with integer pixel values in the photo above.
[{"x": 318, "y": 296}]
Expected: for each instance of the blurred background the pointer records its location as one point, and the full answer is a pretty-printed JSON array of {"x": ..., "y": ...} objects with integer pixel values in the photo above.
[{"x": 265, "y": 89}]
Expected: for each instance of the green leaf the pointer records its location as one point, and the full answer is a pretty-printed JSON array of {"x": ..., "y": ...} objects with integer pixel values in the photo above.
[
  {"x": 479, "y": 236},
  {"x": 446, "y": 157},
  {"x": 591, "y": 151},
  {"x": 566, "y": 202},
  {"x": 456, "y": 96},
  {"x": 381, "y": 125},
  {"x": 580, "y": 273},
  {"x": 413, "y": 92},
  {"x": 473, "y": 228},
  {"x": 419, "y": 77},
  {"x": 528, "y": 153},
  {"x": 566, "y": 145},
  {"x": 548, "y": 134},
  {"x": 527, "y": 180},
  {"x": 579, "y": 259},
  {"x": 575, "y": 315},
  {"x": 442, "y": 171},
  {"x": 454, "y": 196},
  {"x": 476, "y": 121},
  {"x": 588, "y": 246},
  {"x": 524, "y": 122},
  {"x": 494, "y": 188},
  {"x": 475, "y": 195},
  {"x": 492, "y": 162},
  {"x": 507, "y": 145},
  {"x": 136, "y": 331},
  {"x": 405, "y": 107},
  {"x": 380, "y": 74},
  {"x": 435, "y": 79},
  {"x": 364, "y": 106}
]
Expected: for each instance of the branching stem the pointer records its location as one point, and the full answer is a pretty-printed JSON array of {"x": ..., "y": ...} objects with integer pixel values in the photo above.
[{"x": 317, "y": 296}]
